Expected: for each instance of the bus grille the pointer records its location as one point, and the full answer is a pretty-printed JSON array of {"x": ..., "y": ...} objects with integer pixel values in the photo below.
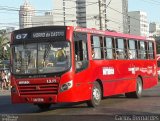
[{"x": 40, "y": 89}]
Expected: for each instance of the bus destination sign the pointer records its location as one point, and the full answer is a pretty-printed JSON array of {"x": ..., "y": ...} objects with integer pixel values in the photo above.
[{"x": 48, "y": 34}]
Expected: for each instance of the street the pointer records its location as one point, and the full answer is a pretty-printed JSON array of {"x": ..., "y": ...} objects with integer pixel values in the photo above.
[{"x": 110, "y": 108}]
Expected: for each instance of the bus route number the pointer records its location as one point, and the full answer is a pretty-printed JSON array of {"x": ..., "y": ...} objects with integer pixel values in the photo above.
[{"x": 21, "y": 36}]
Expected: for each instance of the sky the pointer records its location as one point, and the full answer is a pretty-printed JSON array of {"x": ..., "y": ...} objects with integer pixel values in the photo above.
[
  {"x": 10, "y": 18},
  {"x": 151, "y": 7}
]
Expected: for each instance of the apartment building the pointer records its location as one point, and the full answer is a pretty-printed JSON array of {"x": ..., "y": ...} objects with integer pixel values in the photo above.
[
  {"x": 138, "y": 23},
  {"x": 26, "y": 13}
]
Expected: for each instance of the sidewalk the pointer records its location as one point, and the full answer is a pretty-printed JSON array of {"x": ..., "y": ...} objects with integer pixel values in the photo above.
[{"x": 5, "y": 92}]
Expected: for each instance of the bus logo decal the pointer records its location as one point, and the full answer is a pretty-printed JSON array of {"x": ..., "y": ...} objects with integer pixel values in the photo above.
[
  {"x": 24, "y": 82},
  {"x": 37, "y": 88},
  {"x": 133, "y": 70},
  {"x": 108, "y": 71}
]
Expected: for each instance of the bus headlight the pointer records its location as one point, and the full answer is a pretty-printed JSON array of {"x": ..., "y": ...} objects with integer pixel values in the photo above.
[{"x": 67, "y": 86}]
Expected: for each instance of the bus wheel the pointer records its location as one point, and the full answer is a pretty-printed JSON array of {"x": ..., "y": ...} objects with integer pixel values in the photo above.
[
  {"x": 138, "y": 92},
  {"x": 96, "y": 96},
  {"x": 44, "y": 106}
]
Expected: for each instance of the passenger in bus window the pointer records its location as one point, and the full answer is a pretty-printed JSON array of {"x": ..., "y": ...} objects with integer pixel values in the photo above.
[
  {"x": 79, "y": 64},
  {"x": 60, "y": 55},
  {"x": 93, "y": 53},
  {"x": 117, "y": 55},
  {"x": 121, "y": 54},
  {"x": 130, "y": 55},
  {"x": 77, "y": 58}
]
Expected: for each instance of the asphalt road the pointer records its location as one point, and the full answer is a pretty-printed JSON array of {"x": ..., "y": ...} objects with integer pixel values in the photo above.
[{"x": 111, "y": 108}]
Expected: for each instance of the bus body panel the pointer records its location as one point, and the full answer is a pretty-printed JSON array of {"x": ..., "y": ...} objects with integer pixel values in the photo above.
[{"x": 125, "y": 74}]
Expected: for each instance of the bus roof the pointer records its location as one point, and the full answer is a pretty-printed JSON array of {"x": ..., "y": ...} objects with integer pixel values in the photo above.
[
  {"x": 110, "y": 33},
  {"x": 86, "y": 30}
]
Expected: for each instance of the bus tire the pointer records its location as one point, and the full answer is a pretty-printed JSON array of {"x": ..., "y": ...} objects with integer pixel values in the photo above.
[
  {"x": 138, "y": 92},
  {"x": 44, "y": 106},
  {"x": 96, "y": 95}
]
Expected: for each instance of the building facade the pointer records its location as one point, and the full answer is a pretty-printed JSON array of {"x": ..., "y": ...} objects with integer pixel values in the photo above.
[
  {"x": 64, "y": 12},
  {"x": 81, "y": 13},
  {"x": 43, "y": 20},
  {"x": 154, "y": 29},
  {"x": 103, "y": 14},
  {"x": 138, "y": 23},
  {"x": 99, "y": 14},
  {"x": 26, "y": 13}
]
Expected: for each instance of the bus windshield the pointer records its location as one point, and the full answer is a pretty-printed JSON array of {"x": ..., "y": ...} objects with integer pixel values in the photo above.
[{"x": 41, "y": 58}]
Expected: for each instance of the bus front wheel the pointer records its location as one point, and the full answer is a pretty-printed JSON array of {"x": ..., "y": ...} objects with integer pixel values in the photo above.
[
  {"x": 138, "y": 92},
  {"x": 96, "y": 95},
  {"x": 44, "y": 106}
]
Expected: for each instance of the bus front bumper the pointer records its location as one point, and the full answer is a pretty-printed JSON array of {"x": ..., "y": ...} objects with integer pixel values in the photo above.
[{"x": 36, "y": 99}]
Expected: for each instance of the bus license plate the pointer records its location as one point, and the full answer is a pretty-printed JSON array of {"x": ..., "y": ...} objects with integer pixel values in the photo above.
[{"x": 38, "y": 99}]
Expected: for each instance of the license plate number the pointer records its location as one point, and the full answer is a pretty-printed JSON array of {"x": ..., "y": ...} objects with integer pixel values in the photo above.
[{"x": 38, "y": 100}]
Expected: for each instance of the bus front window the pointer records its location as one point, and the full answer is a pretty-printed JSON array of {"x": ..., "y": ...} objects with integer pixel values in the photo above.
[
  {"x": 41, "y": 58},
  {"x": 25, "y": 59},
  {"x": 53, "y": 57}
]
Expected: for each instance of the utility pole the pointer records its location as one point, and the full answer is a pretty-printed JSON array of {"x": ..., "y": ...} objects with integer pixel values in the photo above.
[
  {"x": 100, "y": 15},
  {"x": 105, "y": 14},
  {"x": 129, "y": 24},
  {"x": 64, "y": 12}
]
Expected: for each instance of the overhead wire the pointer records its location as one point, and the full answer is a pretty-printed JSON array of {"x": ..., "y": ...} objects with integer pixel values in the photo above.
[{"x": 14, "y": 9}]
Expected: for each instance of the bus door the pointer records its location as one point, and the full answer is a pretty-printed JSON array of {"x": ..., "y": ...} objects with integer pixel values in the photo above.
[{"x": 81, "y": 77}]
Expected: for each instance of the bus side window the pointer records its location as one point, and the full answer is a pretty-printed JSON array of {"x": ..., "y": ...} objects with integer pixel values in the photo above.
[
  {"x": 80, "y": 50},
  {"x": 132, "y": 54},
  {"x": 109, "y": 48},
  {"x": 97, "y": 47},
  {"x": 151, "y": 50},
  {"x": 142, "y": 50},
  {"x": 120, "y": 49}
]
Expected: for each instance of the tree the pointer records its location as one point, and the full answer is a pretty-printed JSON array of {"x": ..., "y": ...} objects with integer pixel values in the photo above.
[{"x": 4, "y": 48}]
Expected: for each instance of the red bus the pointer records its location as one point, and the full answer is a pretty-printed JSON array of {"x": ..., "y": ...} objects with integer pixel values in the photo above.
[{"x": 56, "y": 64}]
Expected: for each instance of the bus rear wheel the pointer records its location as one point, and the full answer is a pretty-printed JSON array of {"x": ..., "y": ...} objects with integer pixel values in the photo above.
[
  {"x": 44, "y": 106},
  {"x": 96, "y": 95},
  {"x": 138, "y": 92}
]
